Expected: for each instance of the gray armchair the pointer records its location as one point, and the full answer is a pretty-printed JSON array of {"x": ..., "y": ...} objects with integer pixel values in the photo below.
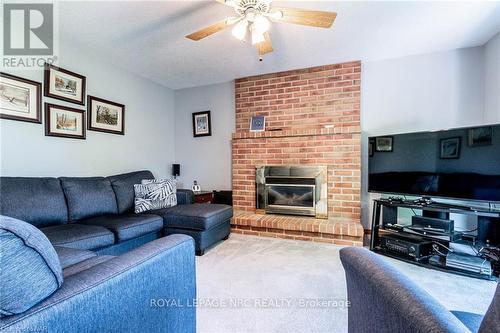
[{"x": 384, "y": 300}]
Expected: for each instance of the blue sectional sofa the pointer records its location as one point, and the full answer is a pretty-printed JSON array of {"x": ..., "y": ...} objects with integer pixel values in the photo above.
[
  {"x": 384, "y": 300},
  {"x": 115, "y": 263},
  {"x": 97, "y": 213}
]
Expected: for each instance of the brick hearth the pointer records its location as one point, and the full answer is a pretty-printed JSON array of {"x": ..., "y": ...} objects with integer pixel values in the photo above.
[
  {"x": 340, "y": 231},
  {"x": 312, "y": 118}
]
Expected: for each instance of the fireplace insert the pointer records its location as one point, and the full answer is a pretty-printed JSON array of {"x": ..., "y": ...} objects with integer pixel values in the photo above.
[
  {"x": 290, "y": 198},
  {"x": 292, "y": 190}
]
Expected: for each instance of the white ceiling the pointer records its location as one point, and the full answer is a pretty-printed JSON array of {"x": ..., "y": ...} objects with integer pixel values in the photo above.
[{"x": 147, "y": 38}]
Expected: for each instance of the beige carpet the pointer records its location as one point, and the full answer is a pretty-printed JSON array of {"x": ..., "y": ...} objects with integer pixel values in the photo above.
[{"x": 257, "y": 284}]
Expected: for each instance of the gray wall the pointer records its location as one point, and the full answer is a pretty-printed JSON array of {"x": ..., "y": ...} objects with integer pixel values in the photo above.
[
  {"x": 492, "y": 79},
  {"x": 205, "y": 159},
  {"x": 149, "y": 128}
]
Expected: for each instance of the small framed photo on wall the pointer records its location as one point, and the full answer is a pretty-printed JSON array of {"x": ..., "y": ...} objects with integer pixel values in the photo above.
[
  {"x": 201, "y": 124},
  {"x": 20, "y": 99},
  {"x": 258, "y": 124},
  {"x": 64, "y": 85},
  {"x": 64, "y": 122},
  {"x": 105, "y": 116}
]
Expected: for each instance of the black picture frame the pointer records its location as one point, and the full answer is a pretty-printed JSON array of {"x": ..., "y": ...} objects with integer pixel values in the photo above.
[
  {"x": 48, "y": 122},
  {"x": 379, "y": 144},
  {"x": 449, "y": 148},
  {"x": 38, "y": 100},
  {"x": 47, "y": 86},
  {"x": 90, "y": 112},
  {"x": 197, "y": 122}
]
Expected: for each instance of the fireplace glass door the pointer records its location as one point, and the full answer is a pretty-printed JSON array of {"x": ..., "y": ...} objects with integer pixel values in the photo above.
[{"x": 291, "y": 199}]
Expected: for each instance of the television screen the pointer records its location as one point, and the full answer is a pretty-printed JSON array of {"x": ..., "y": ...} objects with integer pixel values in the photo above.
[{"x": 460, "y": 163}]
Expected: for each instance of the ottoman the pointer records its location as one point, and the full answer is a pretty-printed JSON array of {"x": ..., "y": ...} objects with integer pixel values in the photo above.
[{"x": 206, "y": 223}]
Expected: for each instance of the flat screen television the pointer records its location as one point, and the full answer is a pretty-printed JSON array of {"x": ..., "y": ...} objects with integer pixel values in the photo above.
[{"x": 462, "y": 163}]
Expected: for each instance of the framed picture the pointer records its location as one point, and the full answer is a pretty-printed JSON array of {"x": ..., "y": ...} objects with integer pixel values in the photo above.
[
  {"x": 480, "y": 136},
  {"x": 383, "y": 144},
  {"x": 64, "y": 85},
  {"x": 450, "y": 148},
  {"x": 20, "y": 99},
  {"x": 370, "y": 148},
  {"x": 258, "y": 124},
  {"x": 105, "y": 116},
  {"x": 201, "y": 124},
  {"x": 64, "y": 122}
]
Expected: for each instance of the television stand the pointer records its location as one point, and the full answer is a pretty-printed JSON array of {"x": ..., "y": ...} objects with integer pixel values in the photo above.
[{"x": 439, "y": 245}]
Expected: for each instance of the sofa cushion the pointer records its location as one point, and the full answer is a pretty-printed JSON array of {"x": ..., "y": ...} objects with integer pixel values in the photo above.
[
  {"x": 30, "y": 270},
  {"x": 195, "y": 216},
  {"x": 79, "y": 236},
  {"x": 68, "y": 256},
  {"x": 39, "y": 201},
  {"x": 88, "y": 197},
  {"x": 123, "y": 185},
  {"x": 129, "y": 226}
]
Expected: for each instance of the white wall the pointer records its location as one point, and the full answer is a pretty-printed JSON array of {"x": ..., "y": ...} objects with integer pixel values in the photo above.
[
  {"x": 205, "y": 159},
  {"x": 492, "y": 79},
  {"x": 148, "y": 142}
]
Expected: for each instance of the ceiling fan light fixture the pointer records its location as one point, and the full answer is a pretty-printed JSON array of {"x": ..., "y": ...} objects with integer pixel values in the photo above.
[
  {"x": 257, "y": 37},
  {"x": 240, "y": 29},
  {"x": 261, "y": 24}
]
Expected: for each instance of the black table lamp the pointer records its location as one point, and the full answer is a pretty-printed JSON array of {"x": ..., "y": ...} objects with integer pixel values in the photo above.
[{"x": 176, "y": 170}]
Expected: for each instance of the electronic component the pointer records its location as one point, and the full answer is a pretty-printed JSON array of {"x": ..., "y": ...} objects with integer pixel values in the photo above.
[
  {"x": 409, "y": 247},
  {"x": 468, "y": 263}
]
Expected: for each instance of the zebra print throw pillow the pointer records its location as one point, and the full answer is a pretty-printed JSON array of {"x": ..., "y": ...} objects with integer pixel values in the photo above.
[{"x": 155, "y": 194}]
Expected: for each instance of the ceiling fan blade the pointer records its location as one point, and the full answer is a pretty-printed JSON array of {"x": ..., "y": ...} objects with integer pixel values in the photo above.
[
  {"x": 266, "y": 46},
  {"x": 210, "y": 30},
  {"x": 313, "y": 18}
]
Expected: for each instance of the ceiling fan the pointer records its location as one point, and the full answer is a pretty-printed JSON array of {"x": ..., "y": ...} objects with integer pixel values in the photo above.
[{"x": 254, "y": 17}]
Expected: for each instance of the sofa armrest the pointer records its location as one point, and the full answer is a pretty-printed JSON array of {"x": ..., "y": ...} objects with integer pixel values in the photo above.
[
  {"x": 384, "y": 300},
  {"x": 185, "y": 197},
  {"x": 149, "y": 289}
]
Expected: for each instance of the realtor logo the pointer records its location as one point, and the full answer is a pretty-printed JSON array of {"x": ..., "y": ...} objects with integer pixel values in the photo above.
[{"x": 28, "y": 29}]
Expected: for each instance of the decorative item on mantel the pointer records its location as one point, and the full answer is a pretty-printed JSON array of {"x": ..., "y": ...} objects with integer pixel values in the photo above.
[{"x": 258, "y": 124}]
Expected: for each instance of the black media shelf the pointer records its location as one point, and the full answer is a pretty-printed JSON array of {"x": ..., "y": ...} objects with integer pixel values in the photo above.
[{"x": 385, "y": 226}]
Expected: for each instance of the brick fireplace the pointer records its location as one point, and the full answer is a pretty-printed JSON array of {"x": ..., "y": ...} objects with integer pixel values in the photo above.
[{"x": 312, "y": 119}]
